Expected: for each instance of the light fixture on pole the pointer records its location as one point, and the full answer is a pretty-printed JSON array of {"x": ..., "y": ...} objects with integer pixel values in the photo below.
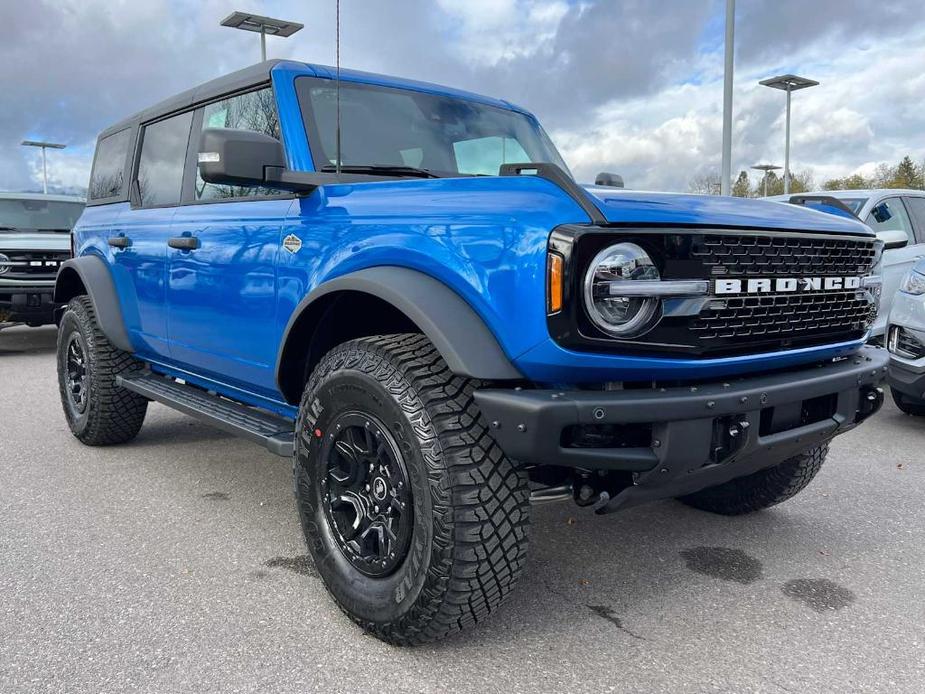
[
  {"x": 767, "y": 168},
  {"x": 788, "y": 83},
  {"x": 261, "y": 25},
  {"x": 44, "y": 146},
  {"x": 726, "y": 180}
]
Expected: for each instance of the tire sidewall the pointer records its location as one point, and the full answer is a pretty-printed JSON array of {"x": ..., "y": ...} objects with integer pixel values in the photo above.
[
  {"x": 381, "y": 600},
  {"x": 74, "y": 321}
]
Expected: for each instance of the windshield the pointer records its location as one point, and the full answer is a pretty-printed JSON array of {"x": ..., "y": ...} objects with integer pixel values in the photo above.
[
  {"x": 30, "y": 214},
  {"x": 387, "y": 127},
  {"x": 854, "y": 204}
]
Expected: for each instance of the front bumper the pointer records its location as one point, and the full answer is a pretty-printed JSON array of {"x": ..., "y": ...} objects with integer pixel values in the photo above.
[
  {"x": 908, "y": 376},
  {"x": 682, "y": 439},
  {"x": 32, "y": 303}
]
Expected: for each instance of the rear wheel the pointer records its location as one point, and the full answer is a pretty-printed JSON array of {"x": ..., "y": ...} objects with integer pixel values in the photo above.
[
  {"x": 98, "y": 411},
  {"x": 760, "y": 489},
  {"x": 908, "y": 404},
  {"x": 416, "y": 521}
]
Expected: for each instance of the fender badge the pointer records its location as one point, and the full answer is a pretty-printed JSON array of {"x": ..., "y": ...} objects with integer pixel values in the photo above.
[{"x": 292, "y": 243}]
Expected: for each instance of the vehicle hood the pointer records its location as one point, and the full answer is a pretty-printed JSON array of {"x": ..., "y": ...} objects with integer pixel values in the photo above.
[
  {"x": 639, "y": 207},
  {"x": 34, "y": 241}
]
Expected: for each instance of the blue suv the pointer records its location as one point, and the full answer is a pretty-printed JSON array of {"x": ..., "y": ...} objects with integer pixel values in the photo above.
[{"x": 401, "y": 287}]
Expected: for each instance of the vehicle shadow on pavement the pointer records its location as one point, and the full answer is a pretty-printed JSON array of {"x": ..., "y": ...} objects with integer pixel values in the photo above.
[{"x": 22, "y": 339}]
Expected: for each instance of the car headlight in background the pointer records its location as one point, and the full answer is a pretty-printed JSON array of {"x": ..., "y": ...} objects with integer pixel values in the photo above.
[
  {"x": 913, "y": 283},
  {"x": 616, "y": 294}
]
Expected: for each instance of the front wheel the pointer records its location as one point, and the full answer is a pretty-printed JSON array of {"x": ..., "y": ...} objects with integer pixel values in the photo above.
[
  {"x": 908, "y": 404},
  {"x": 416, "y": 521},
  {"x": 760, "y": 489}
]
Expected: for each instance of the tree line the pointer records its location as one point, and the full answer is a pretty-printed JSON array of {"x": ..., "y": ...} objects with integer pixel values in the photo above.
[{"x": 905, "y": 174}]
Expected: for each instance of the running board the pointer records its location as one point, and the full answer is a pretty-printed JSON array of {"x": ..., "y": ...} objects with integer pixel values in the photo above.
[{"x": 271, "y": 431}]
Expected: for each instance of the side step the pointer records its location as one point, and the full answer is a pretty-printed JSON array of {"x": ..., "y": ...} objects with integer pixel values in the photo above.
[{"x": 271, "y": 431}]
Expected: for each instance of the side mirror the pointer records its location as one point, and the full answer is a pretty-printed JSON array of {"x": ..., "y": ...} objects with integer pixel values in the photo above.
[
  {"x": 881, "y": 213},
  {"x": 238, "y": 157},
  {"x": 893, "y": 238},
  {"x": 611, "y": 180}
]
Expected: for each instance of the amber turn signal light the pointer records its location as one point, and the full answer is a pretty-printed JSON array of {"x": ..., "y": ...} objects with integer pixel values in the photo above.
[{"x": 554, "y": 283}]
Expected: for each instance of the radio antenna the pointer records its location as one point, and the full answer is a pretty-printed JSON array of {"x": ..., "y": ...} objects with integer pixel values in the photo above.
[{"x": 337, "y": 83}]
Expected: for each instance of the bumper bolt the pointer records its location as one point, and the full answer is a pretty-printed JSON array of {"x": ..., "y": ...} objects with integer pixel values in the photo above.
[
  {"x": 711, "y": 404},
  {"x": 496, "y": 424},
  {"x": 656, "y": 444},
  {"x": 521, "y": 428}
]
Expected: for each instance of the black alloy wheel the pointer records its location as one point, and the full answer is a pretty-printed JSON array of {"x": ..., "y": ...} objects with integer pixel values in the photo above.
[{"x": 367, "y": 494}]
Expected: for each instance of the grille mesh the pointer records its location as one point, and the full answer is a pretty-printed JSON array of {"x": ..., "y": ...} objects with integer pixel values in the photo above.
[
  {"x": 770, "y": 256},
  {"x": 784, "y": 315}
]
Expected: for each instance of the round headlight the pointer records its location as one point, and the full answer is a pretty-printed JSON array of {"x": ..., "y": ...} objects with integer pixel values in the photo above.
[{"x": 619, "y": 315}]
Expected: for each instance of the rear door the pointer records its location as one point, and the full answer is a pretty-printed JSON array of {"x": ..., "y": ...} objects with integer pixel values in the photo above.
[
  {"x": 222, "y": 292},
  {"x": 891, "y": 213},
  {"x": 138, "y": 240}
]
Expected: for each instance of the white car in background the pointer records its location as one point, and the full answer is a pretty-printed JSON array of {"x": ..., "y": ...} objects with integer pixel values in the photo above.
[
  {"x": 898, "y": 217},
  {"x": 906, "y": 343}
]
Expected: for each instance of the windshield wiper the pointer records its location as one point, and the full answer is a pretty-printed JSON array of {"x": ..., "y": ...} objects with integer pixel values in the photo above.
[{"x": 381, "y": 170}]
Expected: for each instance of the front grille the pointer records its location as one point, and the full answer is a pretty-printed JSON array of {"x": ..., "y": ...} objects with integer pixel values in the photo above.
[
  {"x": 784, "y": 315},
  {"x": 31, "y": 265},
  {"x": 769, "y": 256},
  {"x": 904, "y": 344}
]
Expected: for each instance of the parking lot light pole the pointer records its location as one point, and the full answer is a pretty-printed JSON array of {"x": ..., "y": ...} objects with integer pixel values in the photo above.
[
  {"x": 766, "y": 168},
  {"x": 44, "y": 146},
  {"x": 789, "y": 84},
  {"x": 262, "y": 26},
  {"x": 726, "y": 174}
]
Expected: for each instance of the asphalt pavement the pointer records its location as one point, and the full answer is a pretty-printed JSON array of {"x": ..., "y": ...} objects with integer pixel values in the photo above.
[{"x": 175, "y": 564}]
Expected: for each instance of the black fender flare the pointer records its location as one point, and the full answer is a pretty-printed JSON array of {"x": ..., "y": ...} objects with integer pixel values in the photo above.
[
  {"x": 90, "y": 275},
  {"x": 460, "y": 335}
]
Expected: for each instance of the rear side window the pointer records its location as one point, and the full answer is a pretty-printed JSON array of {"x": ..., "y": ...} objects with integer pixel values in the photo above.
[
  {"x": 107, "y": 177},
  {"x": 252, "y": 111},
  {"x": 163, "y": 155}
]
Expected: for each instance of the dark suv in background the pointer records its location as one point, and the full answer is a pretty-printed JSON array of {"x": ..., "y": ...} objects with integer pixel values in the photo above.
[{"x": 34, "y": 241}]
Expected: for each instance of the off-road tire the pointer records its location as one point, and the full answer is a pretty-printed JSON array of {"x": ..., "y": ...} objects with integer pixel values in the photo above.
[
  {"x": 908, "y": 404},
  {"x": 470, "y": 503},
  {"x": 761, "y": 489},
  {"x": 112, "y": 414}
]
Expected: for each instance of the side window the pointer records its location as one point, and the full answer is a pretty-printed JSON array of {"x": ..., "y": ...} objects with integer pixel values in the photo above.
[
  {"x": 890, "y": 214},
  {"x": 163, "y": 155},
  {"x": 251, "y": 111},
  {"x": 485, "y": 155},
  {"x": 916, "y": 206},
  {"x": 107, "y": 177}
]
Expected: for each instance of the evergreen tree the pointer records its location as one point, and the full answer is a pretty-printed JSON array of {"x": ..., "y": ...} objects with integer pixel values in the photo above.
[{"x": 742, "y": 187}]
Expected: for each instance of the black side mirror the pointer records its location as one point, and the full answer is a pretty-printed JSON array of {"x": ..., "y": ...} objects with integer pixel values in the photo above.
[
  {"x": 881, "y": 213},
  {"x": 611, "y": 180},
  {"x": 238, "y": 157}
]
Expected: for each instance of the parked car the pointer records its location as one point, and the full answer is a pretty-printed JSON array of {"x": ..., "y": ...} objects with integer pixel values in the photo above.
[
  {"x": 34, "y": 241},
  {"x": 898, "y": 218},
  {"x": 436, "y": 323},
  {"x": 906, "y": 343}
]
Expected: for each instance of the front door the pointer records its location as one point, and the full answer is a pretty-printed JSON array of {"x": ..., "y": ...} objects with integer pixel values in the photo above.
[
  {"x": 221, "y": 288},
  {"x": 891, "y": 214}
]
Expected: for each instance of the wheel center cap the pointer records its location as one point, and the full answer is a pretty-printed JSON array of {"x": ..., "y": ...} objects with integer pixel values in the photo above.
[{"x": 379, "y": 489}]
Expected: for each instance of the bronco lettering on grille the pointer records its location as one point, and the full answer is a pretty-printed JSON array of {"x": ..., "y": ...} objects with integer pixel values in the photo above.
[{"x": 784, "y": 285}]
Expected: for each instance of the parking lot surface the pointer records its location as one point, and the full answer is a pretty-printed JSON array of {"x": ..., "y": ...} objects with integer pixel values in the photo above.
[{"x": 175, "y": 564}]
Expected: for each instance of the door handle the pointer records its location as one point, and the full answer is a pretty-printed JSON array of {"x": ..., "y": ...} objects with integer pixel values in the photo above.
[
  {"x": 120, "y": 242},
  {"x": 184, "y": 243}
]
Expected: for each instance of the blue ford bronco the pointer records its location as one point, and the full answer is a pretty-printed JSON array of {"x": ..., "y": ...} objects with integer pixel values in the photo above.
[{"x": 401, "y": 287}]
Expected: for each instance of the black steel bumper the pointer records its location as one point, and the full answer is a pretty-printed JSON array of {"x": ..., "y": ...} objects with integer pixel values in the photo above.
[
  {"x": 32, "y": 304},
  {"x": 679, "y": 440}
]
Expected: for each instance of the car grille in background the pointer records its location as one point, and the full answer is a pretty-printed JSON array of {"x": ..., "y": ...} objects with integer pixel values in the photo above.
[
  {"x": 31, "y": 265},
  {"x": 904, "y": 344},
  {"x": 769, "y": 256}
]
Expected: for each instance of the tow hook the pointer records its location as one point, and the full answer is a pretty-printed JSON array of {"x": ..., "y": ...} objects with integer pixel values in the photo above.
[{"x": 870, "y": 401}]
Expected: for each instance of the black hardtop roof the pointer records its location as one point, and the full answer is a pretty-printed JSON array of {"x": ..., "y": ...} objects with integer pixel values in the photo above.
[{"x": 241, "y": 79}]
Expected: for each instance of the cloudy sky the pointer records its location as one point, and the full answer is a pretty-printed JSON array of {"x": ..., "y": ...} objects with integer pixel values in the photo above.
[{"x": 632, "y": 86}]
